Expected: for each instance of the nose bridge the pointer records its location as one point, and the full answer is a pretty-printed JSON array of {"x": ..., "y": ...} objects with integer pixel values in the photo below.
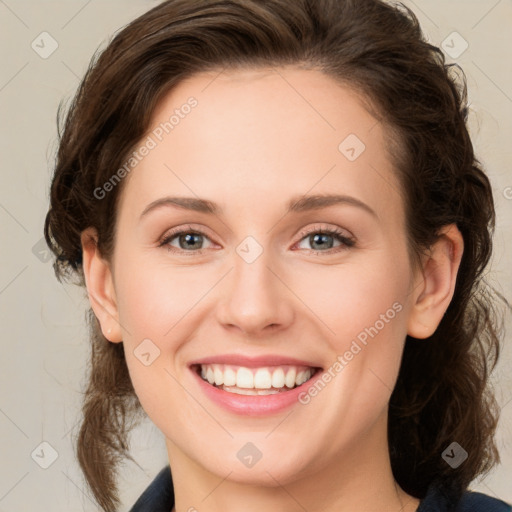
[{"x": 255, "y": 297}]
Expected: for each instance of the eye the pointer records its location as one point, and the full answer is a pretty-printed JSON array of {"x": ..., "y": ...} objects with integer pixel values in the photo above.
[
  {"x": 323, "y": 240},
  {"x": 192, "y": 241},
  {"x": 185, "y": 240}
]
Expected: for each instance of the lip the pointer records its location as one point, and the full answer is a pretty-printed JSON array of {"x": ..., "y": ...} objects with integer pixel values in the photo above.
[
  {"x": 252, "y": 405},
  {"x": 254, "y": 362}
]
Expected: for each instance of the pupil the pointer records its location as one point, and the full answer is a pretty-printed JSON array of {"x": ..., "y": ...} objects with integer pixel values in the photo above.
[
  {"x": 316, "y": 237},
  {"x": 188, "y": 238}
]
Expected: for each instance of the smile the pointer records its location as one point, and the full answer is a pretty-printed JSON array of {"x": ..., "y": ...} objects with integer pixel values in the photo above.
[{"x": 265, "y": 380}]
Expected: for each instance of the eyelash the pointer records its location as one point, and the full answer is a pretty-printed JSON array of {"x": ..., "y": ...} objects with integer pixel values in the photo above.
[{"x": 346, "y": 242}]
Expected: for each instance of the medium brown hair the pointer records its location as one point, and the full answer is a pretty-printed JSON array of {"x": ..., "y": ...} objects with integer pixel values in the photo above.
[{"x": 442, "y": 392}]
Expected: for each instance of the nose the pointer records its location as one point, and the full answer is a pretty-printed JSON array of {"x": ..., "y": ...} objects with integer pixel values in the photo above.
[{"x": 255, "y": 300}]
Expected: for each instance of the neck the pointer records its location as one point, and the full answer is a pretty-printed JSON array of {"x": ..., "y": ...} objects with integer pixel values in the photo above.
[{"x": 359, "y": 479}]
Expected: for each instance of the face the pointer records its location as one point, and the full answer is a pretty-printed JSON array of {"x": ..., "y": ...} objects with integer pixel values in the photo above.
[{"x": 287, "y": 261}]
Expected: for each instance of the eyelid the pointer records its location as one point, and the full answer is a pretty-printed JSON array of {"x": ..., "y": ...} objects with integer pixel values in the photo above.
[
  {"x": 187, "y": 228},
  {"x": 194, "y": 228},
  {"x": 346, "y": 238},
  {"x": 324, "y": 228}
]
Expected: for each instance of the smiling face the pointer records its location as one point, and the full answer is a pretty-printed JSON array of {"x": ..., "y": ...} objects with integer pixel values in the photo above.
[{"x": 259, "y": 233}]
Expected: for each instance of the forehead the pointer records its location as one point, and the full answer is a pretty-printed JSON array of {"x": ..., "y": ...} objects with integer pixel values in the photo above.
[{"x": 247, "y": 136}]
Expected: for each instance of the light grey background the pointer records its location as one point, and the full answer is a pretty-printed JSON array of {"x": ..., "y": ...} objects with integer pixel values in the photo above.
[{"x": 42, "y": 323}]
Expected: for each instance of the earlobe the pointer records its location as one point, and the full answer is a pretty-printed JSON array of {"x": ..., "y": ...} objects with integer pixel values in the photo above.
[
  {"x": 433, "y": 294},
  {"x": 100, "y": 286}
]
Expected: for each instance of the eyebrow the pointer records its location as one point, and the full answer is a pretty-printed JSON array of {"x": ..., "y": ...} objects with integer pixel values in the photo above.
[{"x": 295, "y": 205}]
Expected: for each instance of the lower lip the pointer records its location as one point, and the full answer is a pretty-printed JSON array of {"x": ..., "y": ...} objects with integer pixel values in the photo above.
[{"x": 254, "y": 405}]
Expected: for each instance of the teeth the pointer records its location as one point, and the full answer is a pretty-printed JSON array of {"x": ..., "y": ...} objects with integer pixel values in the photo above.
[
  {"x": 278, "y": 378},
  {"x": 218, "y": 375},
  {"x": 290, "y": 378},
  {"x": 263, "y": 379},
  {"x": 244, "y": 378},
  {"x": 210, "y": 376},
  {"x": 229, "y": 377},
  {"x": 240, "y": 391},
  {"x": 301, "y": 378},
  {"x": 255, "y": 381}
]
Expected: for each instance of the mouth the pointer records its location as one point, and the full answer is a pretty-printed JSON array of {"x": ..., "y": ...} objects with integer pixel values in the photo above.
[{"x": 255, "y": 381}]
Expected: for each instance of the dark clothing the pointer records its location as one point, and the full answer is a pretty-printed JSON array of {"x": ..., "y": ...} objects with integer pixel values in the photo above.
[{"x": 159, "y": 497}]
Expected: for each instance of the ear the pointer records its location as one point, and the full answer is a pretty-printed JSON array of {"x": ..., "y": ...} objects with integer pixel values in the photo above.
[
  {"x": 100, "y": 286},
  {"x": 433, "y": 294}
]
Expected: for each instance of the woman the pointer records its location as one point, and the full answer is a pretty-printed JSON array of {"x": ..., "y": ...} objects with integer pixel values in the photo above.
[{"x": 281, "y": 225}]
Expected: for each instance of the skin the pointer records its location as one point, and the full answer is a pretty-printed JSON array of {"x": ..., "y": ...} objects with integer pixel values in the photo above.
[{"x": 257, "y": 139}]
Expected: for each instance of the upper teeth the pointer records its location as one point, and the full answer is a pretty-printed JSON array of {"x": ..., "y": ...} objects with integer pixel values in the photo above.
[{"x": 256, "y": 378}]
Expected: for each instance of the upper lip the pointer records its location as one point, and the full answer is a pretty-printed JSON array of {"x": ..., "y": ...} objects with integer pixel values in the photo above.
[{"x": 253, "y": 362}]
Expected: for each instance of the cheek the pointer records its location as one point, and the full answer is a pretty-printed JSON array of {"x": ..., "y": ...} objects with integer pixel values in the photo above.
[
  {"x": 356, "y": 297},
  {"x": 150, "y": 310},
  {"x": 366, "y": 310},
  {"x": 153, "y": 299}
]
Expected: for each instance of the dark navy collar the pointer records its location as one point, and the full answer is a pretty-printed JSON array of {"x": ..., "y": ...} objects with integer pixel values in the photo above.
[
  {"x": 440, "y": 498},
  {"x": 159, "y": 497}
]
